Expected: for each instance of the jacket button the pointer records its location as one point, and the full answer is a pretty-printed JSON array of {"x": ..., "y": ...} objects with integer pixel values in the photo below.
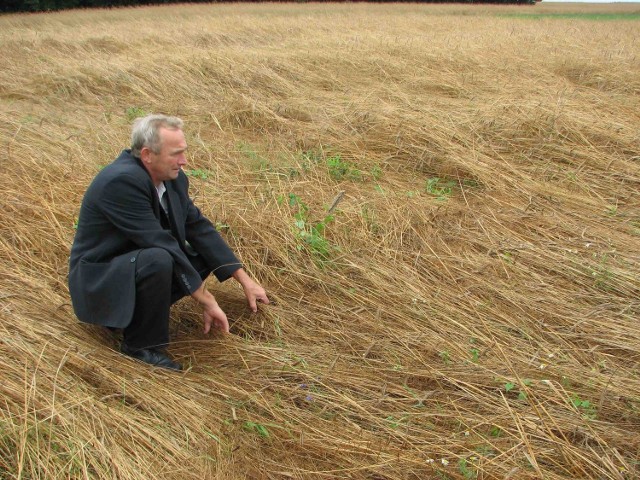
[{"x": 133, "y": 259}]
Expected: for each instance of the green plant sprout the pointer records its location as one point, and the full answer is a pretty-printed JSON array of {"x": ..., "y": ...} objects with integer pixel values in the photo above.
[
  {"x": 440, "y": 188},
  {"x": 341, "y": 169},
  {"x": 510, "y": 386},
  {"x": 394, "y": 423},
  {"x": 310, "y": 235},
  {"x": 197, "y": 173},
  {"x": 134, "y": 112},
  {"x": 585, "y": 406},
  {"x": 475, "y": 355},
  {"x": 446, "y": 357},
  {"x": 257, "y": 428},
  {"x": 466, "y": 470},
  {"x": 222, "y": 227}
]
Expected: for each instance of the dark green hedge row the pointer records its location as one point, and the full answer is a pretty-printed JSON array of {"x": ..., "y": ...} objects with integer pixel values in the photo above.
[{"x": 48, "y": 5}]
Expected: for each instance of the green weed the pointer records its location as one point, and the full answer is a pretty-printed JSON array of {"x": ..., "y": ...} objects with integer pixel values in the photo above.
[
  {"x": 310, "y": 234},
  {"x": 134, "y": 112},
  {"x": 506, "y": 256},
  {"x": 475, "y": 355},
  {"x": 466, "y": 470},
  {"x": 340, "y": 169},
  {"x": 587, "y": 408},
  {"x": 257, "y": 428},
  {"x": 441, "y": 189},
  {"x": 197, "y": 173},
  {"x": 394, "y": 423},
  {"x": 512, "y": 387},
  {"x": 446, "y": 357},
  {"x": 222, "y": 227}
]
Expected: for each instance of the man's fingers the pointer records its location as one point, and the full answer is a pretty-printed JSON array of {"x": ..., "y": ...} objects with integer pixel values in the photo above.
[
  {"x": 225, "y": 327},
  {"x": 207, "y": 324},
  {"x": 253, "y": 305}
]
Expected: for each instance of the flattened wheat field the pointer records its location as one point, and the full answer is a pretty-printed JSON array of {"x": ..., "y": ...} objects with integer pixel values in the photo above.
[{"x": 441, "y": 200}]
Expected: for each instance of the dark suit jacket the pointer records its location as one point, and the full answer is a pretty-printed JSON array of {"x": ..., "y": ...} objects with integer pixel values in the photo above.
[{"x": 120, "y": 215}]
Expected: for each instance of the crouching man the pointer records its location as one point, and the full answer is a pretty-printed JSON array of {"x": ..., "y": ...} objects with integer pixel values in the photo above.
[{"x": 141, "y": 244}]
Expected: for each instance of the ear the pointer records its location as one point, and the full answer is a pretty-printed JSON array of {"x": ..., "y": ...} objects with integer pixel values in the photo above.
[{"x": 145, "y": 154}]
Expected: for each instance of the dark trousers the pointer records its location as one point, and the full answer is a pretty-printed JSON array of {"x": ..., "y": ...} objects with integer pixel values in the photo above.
[{"x": 156, "y": 291}]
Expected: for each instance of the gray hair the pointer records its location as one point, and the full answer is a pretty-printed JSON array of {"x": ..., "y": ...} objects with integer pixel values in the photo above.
[{"x": 146, "y": 132}]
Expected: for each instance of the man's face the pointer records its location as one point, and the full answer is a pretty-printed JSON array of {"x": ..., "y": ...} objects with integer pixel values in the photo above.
[{"x": 166, "y": 164}]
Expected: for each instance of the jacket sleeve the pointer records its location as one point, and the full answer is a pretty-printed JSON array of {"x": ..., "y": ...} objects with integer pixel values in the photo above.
[{"x": 127, "y": 204}]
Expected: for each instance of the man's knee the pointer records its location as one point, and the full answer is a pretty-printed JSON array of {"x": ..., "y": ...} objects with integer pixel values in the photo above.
[{"x": 154, "y": 261}]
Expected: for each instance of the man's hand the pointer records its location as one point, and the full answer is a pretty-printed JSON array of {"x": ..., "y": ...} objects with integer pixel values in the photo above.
[
  {"x": 254, "y": 292},
  {"x": 213, "y": 315}
]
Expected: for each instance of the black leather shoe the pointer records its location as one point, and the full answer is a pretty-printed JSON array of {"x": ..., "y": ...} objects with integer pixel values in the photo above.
[{"x": 150, "y": 356}]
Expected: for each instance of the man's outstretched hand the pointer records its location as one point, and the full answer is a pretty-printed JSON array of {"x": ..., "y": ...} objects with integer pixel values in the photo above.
[
  {"x": 214, "y": 316},
  {"x": 252, "y": 290}
]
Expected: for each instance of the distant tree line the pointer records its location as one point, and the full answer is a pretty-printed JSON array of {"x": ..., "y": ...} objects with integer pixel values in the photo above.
[{"x": 48, "y": 5}]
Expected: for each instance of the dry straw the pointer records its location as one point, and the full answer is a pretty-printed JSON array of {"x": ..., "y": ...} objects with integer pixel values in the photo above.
[{"x": 470, "y": 311}]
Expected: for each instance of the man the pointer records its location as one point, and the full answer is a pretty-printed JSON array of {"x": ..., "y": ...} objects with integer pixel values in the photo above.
[{"x": 142, "y": 244}]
